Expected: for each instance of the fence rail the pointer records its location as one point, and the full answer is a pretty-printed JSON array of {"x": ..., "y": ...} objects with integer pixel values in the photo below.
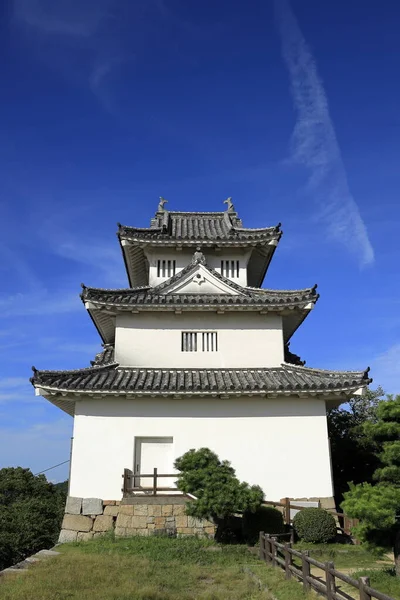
[
  {"x": 130, "y": 480},
  {"x": 346, "y": 523},
  {"x": 282, "y": 555}
]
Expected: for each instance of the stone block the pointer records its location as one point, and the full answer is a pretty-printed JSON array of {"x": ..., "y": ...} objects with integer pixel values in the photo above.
[
  {"x": 151, "y": 526},
  {"x": 113, "y": 511},
  {"x": 84, "y": 536},
  {"x": 126, "y": 509},
  {"x": 92, "y": 506},
  {"x": 108, "y": 502},
  {"x": 186, "y": 530},
  {"x": 139, "y": 522},
  {"x": 166, "y": 510},
  {"x": 181, "y": 521},
  {"x": 103, "y": 523},
  {"x": 73, "y": 505},
  {"x": 179, "y": 510},
  {"x": 150, "y": 520},
  {"x": 208, "y": 523},
  {"x": 142, "y": 532},
  {"x": 99, "y": 534},
  {"x": 159, "y": 522},
  {"x": 124, "y": 520},
  {"x": 140, "y": 510},
  {"x": 193, "y": 522},
  {"x": 209, "y": 530},
  {"x": 117, "y": 502},
  {"x": 77, "y": 523},
  {"x": 154, "y": 510},
  {"x": 67, "y": 536},
  {"x": 44, "y": 554},
  {"x": 120, "y": 531}
]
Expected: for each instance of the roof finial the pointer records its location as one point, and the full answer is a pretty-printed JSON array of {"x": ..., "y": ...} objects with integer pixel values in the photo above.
[
  {"x": 198, "y": 257},
  {"x": 229, "y": 202},
  {"x": 161, "y": 204}
]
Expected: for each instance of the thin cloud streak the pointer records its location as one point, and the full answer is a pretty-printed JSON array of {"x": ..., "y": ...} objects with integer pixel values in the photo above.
[{"x": 314, "y": 142}]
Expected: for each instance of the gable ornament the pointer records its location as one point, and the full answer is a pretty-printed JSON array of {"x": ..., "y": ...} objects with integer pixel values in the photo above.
[{"x": 198, "y": 257}]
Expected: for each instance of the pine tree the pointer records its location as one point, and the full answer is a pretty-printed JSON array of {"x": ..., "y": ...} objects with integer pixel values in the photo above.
[
  {"x": 378, "y": 506},
  {"x": 219, "y": 494}
]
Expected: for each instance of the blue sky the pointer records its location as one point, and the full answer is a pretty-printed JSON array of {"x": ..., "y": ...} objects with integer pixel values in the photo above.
[{"x": 292, "y": 109}]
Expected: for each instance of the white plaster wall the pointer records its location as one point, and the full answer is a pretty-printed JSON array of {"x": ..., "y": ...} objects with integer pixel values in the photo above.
[
  {"x": 184, "y": 257},
  {"x": 154, "y": 340},
  {"x": 281, "y": 444}
]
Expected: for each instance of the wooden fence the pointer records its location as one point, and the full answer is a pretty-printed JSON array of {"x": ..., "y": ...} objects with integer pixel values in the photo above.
[
  {"x": 285, "y": 557},
  {"x": 131, "y": 483},
  {"x": 346, "y": 523}
]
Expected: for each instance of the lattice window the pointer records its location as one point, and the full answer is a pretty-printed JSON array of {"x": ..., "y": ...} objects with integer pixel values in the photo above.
[
  {"x": 230, "y": 268},
  {"x": 204, "y": 341},
  {"x": 166, "y": 268}
]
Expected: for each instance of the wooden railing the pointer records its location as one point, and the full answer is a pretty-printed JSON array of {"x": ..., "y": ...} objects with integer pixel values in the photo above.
[
  {"x": 346, "y": 523},
  {"x": 131, "y": 482},
  {"x": 283, "y": 555}
]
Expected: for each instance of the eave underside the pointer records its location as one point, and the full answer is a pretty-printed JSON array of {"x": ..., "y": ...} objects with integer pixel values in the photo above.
[{"x": 112, "y": 380}]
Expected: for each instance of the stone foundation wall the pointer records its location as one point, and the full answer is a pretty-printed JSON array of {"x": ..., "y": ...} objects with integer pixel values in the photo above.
[{"x": 86, "y": 518}]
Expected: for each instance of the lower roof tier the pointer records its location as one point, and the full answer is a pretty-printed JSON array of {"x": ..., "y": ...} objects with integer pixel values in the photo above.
[{"x": 114, "y": 380}]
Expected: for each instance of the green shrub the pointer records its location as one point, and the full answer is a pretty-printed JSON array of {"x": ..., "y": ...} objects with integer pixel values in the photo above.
[
  {"x": 315, "y": 525},
  {"x": 265, "y": 518}
]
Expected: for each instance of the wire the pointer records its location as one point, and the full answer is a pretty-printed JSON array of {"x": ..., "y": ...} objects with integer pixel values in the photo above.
[{"x": 50, "y": 468}]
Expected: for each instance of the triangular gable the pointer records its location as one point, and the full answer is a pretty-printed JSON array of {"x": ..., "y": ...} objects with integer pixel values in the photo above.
[{"x": 198, "y": 279}]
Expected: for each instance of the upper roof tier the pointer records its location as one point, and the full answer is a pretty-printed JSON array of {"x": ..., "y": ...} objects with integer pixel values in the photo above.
[
  {"x": 198, "y": 288},
  {"x": 179, "y": 230}
]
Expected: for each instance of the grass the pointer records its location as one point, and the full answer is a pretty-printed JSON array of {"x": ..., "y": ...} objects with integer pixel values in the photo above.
[
  {"x": 384, "y": 580},
  {"x": 343, "y": 555},
  {"x": 153, "y": 568}
]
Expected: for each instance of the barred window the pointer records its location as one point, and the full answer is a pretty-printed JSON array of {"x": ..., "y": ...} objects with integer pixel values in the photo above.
[
  {"x": 204, "y": 341},
  {"x": 230, "y": 268},
  {"x": 166, "y": 268}
]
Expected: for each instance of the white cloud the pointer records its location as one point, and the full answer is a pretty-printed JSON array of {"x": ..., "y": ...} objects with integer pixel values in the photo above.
[
  {"x": 38, "y": 304},
  {"x": 314, "y": 142},
  {"x": 38, "y": 447},
  {"x": 102, "y": 256},
  {"x": 385, "y": 369}
]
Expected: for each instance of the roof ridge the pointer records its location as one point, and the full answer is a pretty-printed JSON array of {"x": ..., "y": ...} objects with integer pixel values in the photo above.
[
  {"x": 324, "y": 371},
  {"x": 92, "y": 368}
]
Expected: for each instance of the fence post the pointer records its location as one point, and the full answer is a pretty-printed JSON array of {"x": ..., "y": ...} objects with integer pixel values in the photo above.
[
  {"x": 155, "y": 481},
  {"x": 287, "y": 511},
  {"x": 267, "y": 548},
  {"x": 126, "y": 482},
  {"x": 305, "y": 569},
  {"x": 261, "y": 550},
  {"x": 288, "y": 561},
  {"x": 330, "y": 581},
  {"x": 274, "y": 550},
  {"x": 364, "y": 582}
]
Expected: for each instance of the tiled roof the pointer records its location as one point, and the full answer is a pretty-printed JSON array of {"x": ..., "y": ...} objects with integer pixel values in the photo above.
[
  {"x": 104, "y": 357},
  {"x": 284, "y": 380},
  {"x": 159, "y": 295},
  {"x": 197, "y": 226},
  {"x": 266, "y": 298}
]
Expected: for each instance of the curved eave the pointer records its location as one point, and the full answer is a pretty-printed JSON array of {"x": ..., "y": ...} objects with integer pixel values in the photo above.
[{"x": 64, "y": 387}]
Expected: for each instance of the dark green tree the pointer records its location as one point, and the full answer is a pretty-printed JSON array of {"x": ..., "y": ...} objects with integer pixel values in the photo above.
[
  {"x": 219, "y": 492},
  {"x": 378, "y": 506},
  {"x": 31, "y": 511},
  {"x": 353, "y": 451}
]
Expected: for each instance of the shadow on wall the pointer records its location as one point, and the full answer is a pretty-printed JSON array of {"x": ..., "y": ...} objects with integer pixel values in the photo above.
[{"x": 202, "y": 408}]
